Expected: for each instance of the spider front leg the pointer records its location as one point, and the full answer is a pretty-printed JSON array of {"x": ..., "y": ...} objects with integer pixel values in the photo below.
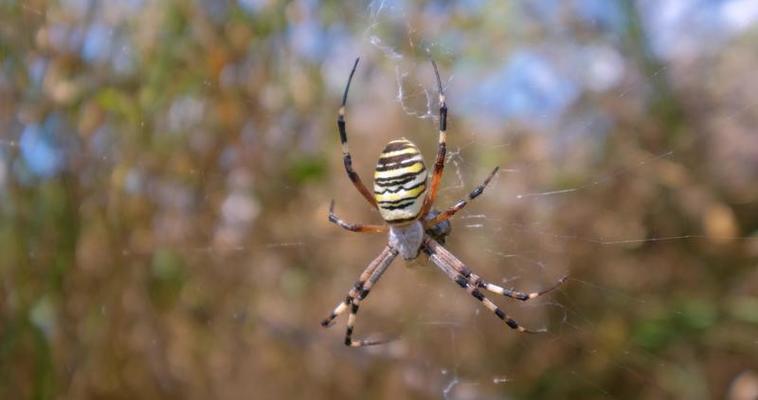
[
  {"x": 361, "y": 228},
  {"x": 439, "y": 162},
  {"x": 447, "y": 214},
  {"x": 346, "y": 157}
]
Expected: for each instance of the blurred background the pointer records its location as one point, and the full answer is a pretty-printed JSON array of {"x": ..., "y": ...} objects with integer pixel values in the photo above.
[{"x": 166, "y": 169}]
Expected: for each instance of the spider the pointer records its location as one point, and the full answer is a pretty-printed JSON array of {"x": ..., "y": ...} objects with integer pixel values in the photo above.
[{"x": 405, "y": 203}]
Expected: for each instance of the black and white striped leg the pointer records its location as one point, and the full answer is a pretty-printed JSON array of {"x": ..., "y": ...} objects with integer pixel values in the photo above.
[
  {"x": 362, "y": 294},
  {"x": 516, "y": 294},
  {"x": 361, "y": 228},
  {"x": 346, "y": 157},
  {"x": 462, "y": 281},
  {"x": 341, "y": 307},
  {"x": 359, "y": 291},
  {"x": 385, "y": 257},
  {"x": 349, "y": 341},
  {"x": 447, "y": 214},
  {"x": 477, "y": 281}
]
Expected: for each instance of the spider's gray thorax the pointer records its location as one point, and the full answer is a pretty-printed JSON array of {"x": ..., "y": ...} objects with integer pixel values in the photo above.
[{"x": 407, "y": 239}]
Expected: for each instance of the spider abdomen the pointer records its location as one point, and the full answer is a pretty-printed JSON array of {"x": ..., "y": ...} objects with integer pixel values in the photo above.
[{"x": 400, "y": 182}]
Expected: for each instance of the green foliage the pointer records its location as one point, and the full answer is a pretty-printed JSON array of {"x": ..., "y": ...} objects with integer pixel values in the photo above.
[
  {"x": 183, "y": 251},
  {"x": 307, "y": 169},
  {"x": 686, "y": 321},
  {"x": 166, "y": 279}
]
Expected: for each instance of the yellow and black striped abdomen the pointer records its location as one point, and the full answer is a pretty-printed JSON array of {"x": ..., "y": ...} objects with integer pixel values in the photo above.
[{"x": 400, "y": 181}]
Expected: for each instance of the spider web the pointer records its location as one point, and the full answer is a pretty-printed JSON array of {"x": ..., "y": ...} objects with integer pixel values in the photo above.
[
  {"x": 547, "y": 136},
  {"x": 392, "y": 40}
]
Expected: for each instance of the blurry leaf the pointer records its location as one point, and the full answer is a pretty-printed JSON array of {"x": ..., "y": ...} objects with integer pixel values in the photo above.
[
  {"x": 679, "y": 322},
  {"x": 652, "y": 334},
  {"x": 696, "y": 315},
  {"x": 307, "y": 169},
  {"x": 167, "y": 278},
  {"x": 744, "y": 308},
  {"x": 118, "y": 103}
]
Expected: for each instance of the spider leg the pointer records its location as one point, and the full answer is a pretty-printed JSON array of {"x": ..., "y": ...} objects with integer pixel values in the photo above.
[
  {"x": 383, "y": 260},
  {"x": 375, "y": 275},
  {"x": 447, "y": 214},
  {"x": 514, "y": 294},
  {"x": 477, "y": 281},
  {"x": 346, "y": 157},
  {"x": 361, "y": 228},
  {"x": 439, "y": 163},
  {"x": 442, "y": 262},
  {"x": 353, "y": 292}
]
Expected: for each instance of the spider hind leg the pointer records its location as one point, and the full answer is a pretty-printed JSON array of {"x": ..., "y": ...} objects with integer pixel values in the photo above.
[
  {"x": 462, "y": 275},
  {"x": 358, "y": 292}
]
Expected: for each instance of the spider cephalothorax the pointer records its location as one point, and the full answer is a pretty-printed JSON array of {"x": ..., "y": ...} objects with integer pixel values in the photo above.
[{"x": 405, "y": 203}]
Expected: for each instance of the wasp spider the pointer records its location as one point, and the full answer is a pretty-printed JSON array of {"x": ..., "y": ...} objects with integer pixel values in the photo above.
[{"x": 405, "y": 200}]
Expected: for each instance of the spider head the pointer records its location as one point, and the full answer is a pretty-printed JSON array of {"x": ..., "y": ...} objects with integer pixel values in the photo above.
[
  {"x": 400, "y": 182},
  {"x": 440, "y": 231}
]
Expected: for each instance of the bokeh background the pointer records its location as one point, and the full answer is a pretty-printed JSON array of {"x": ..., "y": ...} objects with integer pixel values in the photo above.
[{"x": 166, "y": 169}]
